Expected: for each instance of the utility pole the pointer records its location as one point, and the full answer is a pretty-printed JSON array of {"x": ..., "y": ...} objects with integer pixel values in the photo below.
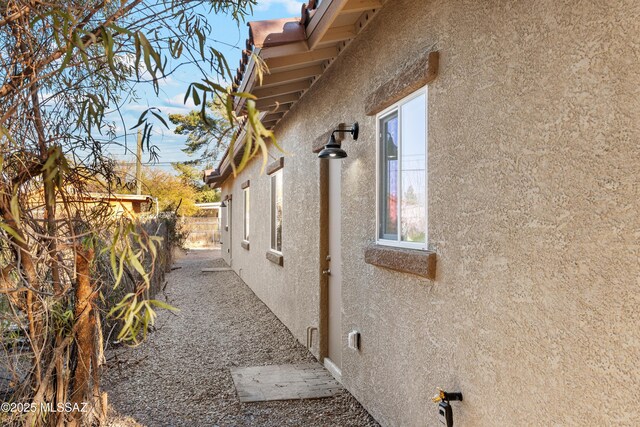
[{"x": 139, "y": 165}]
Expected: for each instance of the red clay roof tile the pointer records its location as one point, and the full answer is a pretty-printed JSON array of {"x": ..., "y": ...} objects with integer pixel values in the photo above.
[{"x": 276, "y": 32}]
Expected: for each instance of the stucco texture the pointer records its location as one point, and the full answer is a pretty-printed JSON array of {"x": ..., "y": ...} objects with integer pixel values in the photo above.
[
  {"x": 291, "y": 291},
  {"x": 534, "y": 123}
]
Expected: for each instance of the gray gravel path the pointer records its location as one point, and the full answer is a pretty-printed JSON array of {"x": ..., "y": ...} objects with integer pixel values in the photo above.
[{"x": 180, "y": 376}]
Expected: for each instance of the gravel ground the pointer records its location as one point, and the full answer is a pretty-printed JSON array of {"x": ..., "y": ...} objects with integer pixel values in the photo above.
[{"x": 180, "y": 376}]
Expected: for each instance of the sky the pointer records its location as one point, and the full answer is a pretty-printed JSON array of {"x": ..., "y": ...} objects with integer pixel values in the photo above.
[{"x": 228, "y": 38}]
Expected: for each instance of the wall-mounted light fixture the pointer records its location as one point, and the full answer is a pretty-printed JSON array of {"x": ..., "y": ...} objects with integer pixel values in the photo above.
[{"x": 333, "y": 150}]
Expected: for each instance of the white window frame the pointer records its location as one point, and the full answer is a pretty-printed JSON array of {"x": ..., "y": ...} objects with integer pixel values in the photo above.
[
  {"x": 272, "y": 201},
  {"x": 386, "y": 112},
  {"x": 227, "y": 215},
  {"x": 246, "y": 214}
]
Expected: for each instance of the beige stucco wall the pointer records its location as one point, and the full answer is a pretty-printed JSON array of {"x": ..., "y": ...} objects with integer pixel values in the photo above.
[
  {"x": 289, "y": 290},
  {"x": 534, "y": 130}
]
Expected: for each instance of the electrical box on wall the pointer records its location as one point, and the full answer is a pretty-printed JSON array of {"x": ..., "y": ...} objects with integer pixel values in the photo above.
[
  {"x": 445, "y": 411},
  {"x": 445, "y": 414},
  {"x": 354, "y": 340}
]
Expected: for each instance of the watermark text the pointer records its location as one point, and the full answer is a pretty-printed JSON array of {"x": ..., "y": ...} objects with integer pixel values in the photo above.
[{"x": 22, "y": 407}]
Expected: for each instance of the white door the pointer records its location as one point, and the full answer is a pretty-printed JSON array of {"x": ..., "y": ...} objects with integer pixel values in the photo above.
[
  {"x": 334, "y": 361},
  {"x": 229, "y": 232}
]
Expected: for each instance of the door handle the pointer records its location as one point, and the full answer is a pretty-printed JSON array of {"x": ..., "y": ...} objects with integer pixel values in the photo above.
[{"x": 327, "y": 272}]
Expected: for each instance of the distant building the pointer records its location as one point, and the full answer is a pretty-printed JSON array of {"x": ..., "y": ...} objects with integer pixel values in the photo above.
[{"x": 130, "y": 205}]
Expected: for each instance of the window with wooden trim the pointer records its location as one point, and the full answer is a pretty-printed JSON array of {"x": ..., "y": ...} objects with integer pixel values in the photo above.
[
  {"x": 276, "y": 211},
  {"x": 245, "y": 214},
  {"x": 402, "y": 173}
]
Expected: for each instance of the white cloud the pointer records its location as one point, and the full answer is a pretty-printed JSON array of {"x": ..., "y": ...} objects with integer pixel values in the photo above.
[
  {"x": 291, "y": 6},
  {"x": 173, "y": 105},
  {"x": 165, "y": 109},
  {"x": 178, "y": 101},
  {"x": 168, "y": 81}
]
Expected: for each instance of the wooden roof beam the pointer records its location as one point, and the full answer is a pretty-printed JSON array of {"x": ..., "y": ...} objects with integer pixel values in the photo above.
[
  {"x": 322, "y": 20},
  {"x": 284, "y": 89},
  {"x": 354, "y": 6},
  {"x": 291, "y": 76},
  {"x": 338, "y": 34},
  {"x": 271, "y": 124},
  {"x": 306, "y": 58},
  {"x": 284, "y": 50},
  {"x": 273, "y": 117},
  {"x": 265, "y": 104},
  {"x": 281, "y": 108}
]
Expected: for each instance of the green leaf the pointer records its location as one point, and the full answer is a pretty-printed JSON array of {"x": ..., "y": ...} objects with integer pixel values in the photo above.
[
  {"x": 138, "y": 54},
  {"x": 164, "y": 305},
  {"x": 11, "y": 231},
  {"x": 15, "y": 207},
  {"x": 246, "y": 95},
  {"x": 120, "y": 30},
  {"x": 159, "y": 117},
  {"x": 141, "y": 119},
  {"x": 135, "y": 262}
]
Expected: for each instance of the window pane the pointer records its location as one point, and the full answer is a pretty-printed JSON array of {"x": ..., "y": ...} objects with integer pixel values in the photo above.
[
  {"x": 276, "y": 211},
  {"x": 279, "y": 197},
  {"x": 246, "y": 214},
  {"x": 413, "y": 175},
  {"x": 389, "y": 177},
  {"x": 273, "y": 211},
  {"x": 228, "y": 214}
]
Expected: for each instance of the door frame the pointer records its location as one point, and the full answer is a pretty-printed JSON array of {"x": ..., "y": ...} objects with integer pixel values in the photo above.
[
  {"x": 229, "y": 227},
  {"x": 323, "y": 264},
  {"x": 324, "y": 330}
]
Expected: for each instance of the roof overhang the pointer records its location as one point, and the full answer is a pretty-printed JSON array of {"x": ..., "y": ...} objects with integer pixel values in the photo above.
[
  {"x": 133, "y": 197},
  {"x": 215, "y": 177},
  {"x": 208, "y": 205},
  {"x": 296, "y": 51},
  {"x": 121, "y": 197}
]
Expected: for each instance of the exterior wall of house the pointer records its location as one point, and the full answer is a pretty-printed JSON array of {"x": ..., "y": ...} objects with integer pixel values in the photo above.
[
  {"x": 291, "y": 290},
  {"x": 534, "y": 123}
]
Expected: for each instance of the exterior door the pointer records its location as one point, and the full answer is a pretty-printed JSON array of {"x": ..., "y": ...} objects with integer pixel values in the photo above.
[
  {"x": 334, "y": 361},
  {"x": 229, "y": 233}
]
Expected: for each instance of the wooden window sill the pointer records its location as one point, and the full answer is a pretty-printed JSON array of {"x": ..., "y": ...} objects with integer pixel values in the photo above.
[
  {"x": 245, "y": 244},
  {"x": 413, "y": 261},
  {"x": 275, "y": 258}
]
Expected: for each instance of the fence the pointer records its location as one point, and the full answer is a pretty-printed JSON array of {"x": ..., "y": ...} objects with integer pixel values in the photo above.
[{"x": 202, "y": 232}]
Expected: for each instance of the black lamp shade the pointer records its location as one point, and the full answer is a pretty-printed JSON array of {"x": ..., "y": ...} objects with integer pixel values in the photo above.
[{"x": 332, "y": 150}]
